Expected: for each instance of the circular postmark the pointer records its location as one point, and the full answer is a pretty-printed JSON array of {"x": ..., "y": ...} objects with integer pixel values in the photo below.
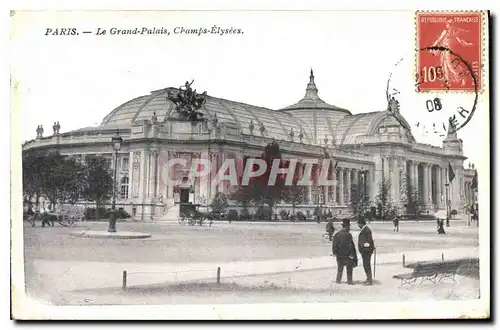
[{"x": 421, "y": 96}]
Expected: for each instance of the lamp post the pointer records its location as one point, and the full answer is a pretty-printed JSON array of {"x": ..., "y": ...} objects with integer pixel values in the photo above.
[
  {"x": 447, "y": 205},
  {"x": 116, "y": 142}
]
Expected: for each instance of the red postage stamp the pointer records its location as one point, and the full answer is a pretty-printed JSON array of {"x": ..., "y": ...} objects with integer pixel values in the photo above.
[{"x": 449, "y": 55}]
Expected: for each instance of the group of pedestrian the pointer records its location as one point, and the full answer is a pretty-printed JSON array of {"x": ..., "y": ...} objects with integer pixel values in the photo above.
[
  {"x": 344, "y": 250},
  {"x": 42, "y": 214}
]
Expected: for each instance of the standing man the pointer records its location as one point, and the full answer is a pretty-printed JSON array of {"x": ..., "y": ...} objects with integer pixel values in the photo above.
[
  {"x": 366, "y": 247},
  {"x": 441, "y": 227},
  {"x": 396, "y": 223},
  {"x": 31, "y": 214},
  {"x": 330, "y": 229},
  {"x": 345, "y": 251}
]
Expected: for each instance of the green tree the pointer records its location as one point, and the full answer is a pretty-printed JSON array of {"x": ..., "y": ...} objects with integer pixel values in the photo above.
[
  {"x": 258, "y": 190},
  {"x": 294, "y": 194},
  {"x": 73, "y": 184},
  {"x": 410, "y": 197},
  {"x": 384, "y": 199},
  {"x": 53, "y": 178},
  {"x": 360, "y": 201},
  {"x": 33, "y": 168},
  {"x": 98, "y": 185},
  {"x": 219, "y": 203}
]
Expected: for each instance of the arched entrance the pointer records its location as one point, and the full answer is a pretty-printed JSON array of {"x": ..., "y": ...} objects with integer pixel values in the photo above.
[{"x": 183, "y": 192}]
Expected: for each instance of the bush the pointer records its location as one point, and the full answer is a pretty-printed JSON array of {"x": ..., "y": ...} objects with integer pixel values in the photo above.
[
  {"x": 284, "y": 215},
  {"x": 232, "y": 215},
  {"x": 90, "y": 213},
  {"x": 264, "y": 213},
  {"x": 454, "y": 212},
  {"x": 368, "y": 216},
  {"x": 245, "y": 215},
  {"x": 219, "y": 203},
  {"x": 300, "y": 216},
  {"x": 122, "y": 214}
]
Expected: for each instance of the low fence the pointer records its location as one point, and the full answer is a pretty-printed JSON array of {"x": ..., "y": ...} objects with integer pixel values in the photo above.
[{"x": 226, "y": 273}]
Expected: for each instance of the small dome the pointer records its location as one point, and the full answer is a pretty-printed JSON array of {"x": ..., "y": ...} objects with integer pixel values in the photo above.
[
  {"x": 312, "y": 101},
  {"x": 320, "y": 116}
]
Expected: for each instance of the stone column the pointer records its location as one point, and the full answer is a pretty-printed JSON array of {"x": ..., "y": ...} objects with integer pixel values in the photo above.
[
  {"x": 341, "y": 186},
  {"x": 143, "y": 212},
  {"x": 429, "y": 186},
  {"x": 367, "y": 186},
  {"x": 324, "y": 189},
  {"x": 210, "y": 177},
  {"x": 214, "y": 184},
  {"x": 386, "y": 164},
  {"x": 457, "y": 189},
  {"x": 170, "y": 186},
  {"x": 349, "y": 186},
  {"x": 375, "y": 178},
  {"x": 426, "y": 184},
  {"x": 414, "y": 174},
  {"x": 309, "y": 195},
  {"x": 143, "y": 174},
  {"x": 153, "y": 166},
  {"x": 333, "y": 197},
  {"x": 470, "y": 193},
  {"x": 417, "y": 181},
  {"x": 205, "y": 180},
  {"x": 196, "y": 181},
  {"x": 438, "y": 187},
  {"x": 430, "y": 198},
  {"x": 395, "y": 180},
  {"x": 443, "y": 187},
  {"x": 130, "y": 174}
]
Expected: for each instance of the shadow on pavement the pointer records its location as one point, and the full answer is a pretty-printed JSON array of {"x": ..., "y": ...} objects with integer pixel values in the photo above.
[{"x": 228, "y": 287}]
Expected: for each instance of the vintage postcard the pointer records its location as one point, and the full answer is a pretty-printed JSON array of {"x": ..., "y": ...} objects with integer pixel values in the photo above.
[{"x": 180, "y": 165}]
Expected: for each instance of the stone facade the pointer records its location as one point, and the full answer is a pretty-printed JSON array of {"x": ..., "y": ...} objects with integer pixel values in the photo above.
[{"x": 367, "y": 147}]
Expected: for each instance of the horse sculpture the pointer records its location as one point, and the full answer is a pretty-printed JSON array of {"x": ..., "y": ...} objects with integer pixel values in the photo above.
[{"x": 187, "y": 102}]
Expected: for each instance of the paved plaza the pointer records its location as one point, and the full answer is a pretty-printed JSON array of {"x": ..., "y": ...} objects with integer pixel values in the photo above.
[{"x": 259, "y": 262}]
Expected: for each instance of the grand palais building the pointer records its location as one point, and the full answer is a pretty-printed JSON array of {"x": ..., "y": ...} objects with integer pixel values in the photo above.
[{"x": 375, "y": 144}]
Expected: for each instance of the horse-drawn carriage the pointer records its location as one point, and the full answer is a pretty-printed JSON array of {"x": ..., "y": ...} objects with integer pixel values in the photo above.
[
  {"x": 67, "y": 215},
  {"x": 190, "y": 214}
]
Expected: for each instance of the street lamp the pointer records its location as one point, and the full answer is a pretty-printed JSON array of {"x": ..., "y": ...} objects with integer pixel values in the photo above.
[
  {"x": 447, "y": 205},
  {"x": 116, "y": 142}
]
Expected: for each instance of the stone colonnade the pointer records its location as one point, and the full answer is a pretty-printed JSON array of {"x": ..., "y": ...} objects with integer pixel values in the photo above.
[
  {"x": 428, "y": 179},
  {"x": 148, "y": 188}
]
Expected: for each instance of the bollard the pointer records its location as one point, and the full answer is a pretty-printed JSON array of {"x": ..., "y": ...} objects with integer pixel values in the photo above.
[
  {"x": 442, "y": 257},
  {"x": 124, "y": 280},
  {"x": 403, "y": 259},
  {"x": 218, "y": 275}
]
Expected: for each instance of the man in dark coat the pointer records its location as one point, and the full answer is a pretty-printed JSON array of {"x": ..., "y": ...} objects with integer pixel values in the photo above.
[
  {"x": 345, "y": 251},
  {"x": 396, "y": 223},
  {"x": 366, "y": 247},
  {"x": 441, "y": 227},
  {"x": 330, "y": 229}
]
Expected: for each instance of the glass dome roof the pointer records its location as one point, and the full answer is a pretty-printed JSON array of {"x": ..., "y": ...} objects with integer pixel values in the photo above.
[{"x": 319, "y": 122}]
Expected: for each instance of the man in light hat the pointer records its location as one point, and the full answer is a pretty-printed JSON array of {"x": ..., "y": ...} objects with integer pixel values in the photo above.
[
  {"x": 345, "y": 251},
  {"x": 366, "y": 247}
]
